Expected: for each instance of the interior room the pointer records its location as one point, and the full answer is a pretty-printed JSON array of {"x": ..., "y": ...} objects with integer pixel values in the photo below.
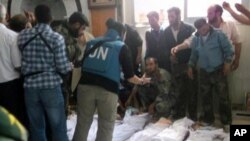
[{"x": 135, "y": 14}]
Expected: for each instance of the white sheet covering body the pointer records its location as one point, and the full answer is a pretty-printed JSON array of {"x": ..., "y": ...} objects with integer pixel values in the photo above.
[{"x": 132, "y": 129}]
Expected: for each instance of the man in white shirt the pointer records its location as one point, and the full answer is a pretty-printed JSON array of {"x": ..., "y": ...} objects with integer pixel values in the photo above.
[{"x": 10, "y": 61}]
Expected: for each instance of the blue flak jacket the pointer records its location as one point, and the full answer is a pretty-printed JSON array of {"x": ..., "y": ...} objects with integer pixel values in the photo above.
[{"x": 104, "y": 60}]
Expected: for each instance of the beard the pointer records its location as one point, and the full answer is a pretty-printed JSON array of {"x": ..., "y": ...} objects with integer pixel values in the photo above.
[
  {"x": 213, "y": 20},
  {"x": 74, "y": 32},
  {"x": 150, "y": 72}
]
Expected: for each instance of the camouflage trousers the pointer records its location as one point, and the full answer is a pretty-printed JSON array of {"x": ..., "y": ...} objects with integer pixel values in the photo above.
[
  {"x": 164, "y": 104},
  {"x": 215, "y": 82},
  {"x": 66, "y": 90},
  {"x": 147, "y": 95},
  {"x": 185, "y": 90}
]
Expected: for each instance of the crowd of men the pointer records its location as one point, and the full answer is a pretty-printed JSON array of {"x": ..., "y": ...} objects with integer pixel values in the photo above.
[{"x": 41, "y": 59}]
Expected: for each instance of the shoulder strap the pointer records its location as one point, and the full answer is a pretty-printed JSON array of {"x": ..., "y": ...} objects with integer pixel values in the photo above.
[
  {"x": 43, "y": 39},
  {"x": 46, "y": 43},
  {"x": 31, "y": 39}
]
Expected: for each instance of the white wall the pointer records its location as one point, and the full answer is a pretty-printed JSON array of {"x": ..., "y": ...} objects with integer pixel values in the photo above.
[
  {"x": 240, "y": 84},
  {"x": 57, "y": 7},
  {"x": 60, "y": 8},
  {"x": 4, "y": 2}
]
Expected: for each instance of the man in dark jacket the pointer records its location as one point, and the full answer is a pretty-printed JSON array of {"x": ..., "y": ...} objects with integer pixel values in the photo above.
[{"x": 183, "y": 87}]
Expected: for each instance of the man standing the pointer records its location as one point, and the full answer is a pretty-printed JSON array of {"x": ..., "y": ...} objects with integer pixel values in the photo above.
[
  {"x": 214, "y": 15},
  {"x": 184, "y": 88},
  {"x": 154, "y": 40},
  {"x": 99, "y": 85},
  {"x": 75, "y": 36},
  {"x": 10, "y": 63},
  {"x": 134, "y": 43},
  {"x": 44, "y": 60},
  {"x": 213, "y": 53}
]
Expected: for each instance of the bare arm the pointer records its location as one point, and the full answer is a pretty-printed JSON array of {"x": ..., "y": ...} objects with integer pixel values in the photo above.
[
  {"x": 131, "y": 96},
  {"x": 236, "y": 60},
  {"x": 243, "y": 10},
  {"x": 183, "y": 45},
  {"x": 240, "y": 18},
  {"x": 138, "y": 81}
]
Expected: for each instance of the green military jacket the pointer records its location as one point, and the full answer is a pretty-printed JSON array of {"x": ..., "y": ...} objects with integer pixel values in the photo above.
[{"x": 72, "y": 48}]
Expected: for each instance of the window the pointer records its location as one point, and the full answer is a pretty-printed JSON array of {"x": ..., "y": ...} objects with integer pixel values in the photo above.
[
  {"x": 143, "y": 7},
  {"x": 201, "y": 9},
  {"x": 194, "y": 8}
]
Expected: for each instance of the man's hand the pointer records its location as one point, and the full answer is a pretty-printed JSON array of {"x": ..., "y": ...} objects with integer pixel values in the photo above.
[
  {"x": 81, "y": 40},
  {"x": 190, "y": 73},
  {"x": 174, "y": 50},
  {"x": 138, "y": 59},
  {"x": 72, "y": 65},
  {"x": 227, "y": 68},
  {"x": 235, "y": 64},
  {"x": 145, "y": 80},
  {"x": 240, "y": 7},
  {"x": 226, "y": 6}
]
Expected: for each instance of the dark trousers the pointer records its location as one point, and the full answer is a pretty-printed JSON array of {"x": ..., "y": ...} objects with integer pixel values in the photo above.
[
  {"x": 12, "y": 98},
  {"x": 215, "y": 82},
  {"x": 185, "y": 90},
  {"x": 66, "y": 91}
]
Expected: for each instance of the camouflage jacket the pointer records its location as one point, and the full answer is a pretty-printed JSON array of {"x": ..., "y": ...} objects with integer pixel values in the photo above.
[
  {"x": 74, "y": 51},
  {"x": 157, "y": 87}
]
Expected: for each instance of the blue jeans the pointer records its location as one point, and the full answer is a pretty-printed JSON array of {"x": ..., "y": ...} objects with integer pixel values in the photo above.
[{"x": 50, "y": 100}]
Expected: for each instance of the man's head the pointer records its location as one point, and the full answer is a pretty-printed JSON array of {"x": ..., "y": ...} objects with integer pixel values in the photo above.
[
  {"x": 18, "y": 22},
  {"x": 77, "y": 24},
  {"x": 2, "y": 13},
  {"x": 153, "y": 19},
  {"x": 112, "y": 24},
  {"x": 214, "y": 13},
  {"x": 202, "y": 26},
  {"x": 151, "y": 65},
  {"x": 43, "y": 14},
  {"x": 174, "y": 16}
]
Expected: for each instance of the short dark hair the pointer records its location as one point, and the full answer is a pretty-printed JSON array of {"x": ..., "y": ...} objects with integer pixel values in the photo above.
[
  {"x": 176, "y": 10},
  {"x": 112, "y": 24},
  {"x": 154, "y": 59},
  {"x": 200, "y": 22},
  {"x": 18, "y": 22},
  {"x": 153, "y": 14},
  {"x": 78, "y": 17},
  {"x": 43, "y": 14},
  {"x": 218, "y": 8}
]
